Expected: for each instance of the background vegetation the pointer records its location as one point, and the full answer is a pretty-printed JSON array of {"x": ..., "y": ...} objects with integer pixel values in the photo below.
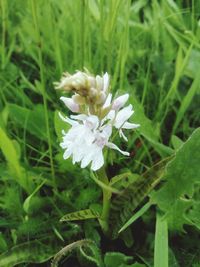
[{"x": 151, "y": 49}]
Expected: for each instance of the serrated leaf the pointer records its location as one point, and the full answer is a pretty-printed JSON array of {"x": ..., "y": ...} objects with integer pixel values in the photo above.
[
  {"x": 177, "y": 216},
  {"x": 80, "y": 215},
  {"x": 181, "y": 175}
]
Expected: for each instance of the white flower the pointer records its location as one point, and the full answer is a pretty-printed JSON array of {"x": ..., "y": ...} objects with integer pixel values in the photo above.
[
  {"x": 119, "y": 118},
  {"x": 86, "y": 139}
]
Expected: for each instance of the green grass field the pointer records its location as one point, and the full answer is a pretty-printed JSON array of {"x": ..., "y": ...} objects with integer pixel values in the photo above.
[{"x": 151, "y": 50}]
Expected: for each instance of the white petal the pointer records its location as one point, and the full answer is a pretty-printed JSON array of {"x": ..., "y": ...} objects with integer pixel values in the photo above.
[
  {"x": 80, "y": 117},
  {"x": 121, "y": 134},
  {"x": 105, "y": 82},
  {"x": 113, "y": 146},
  {"x": 67, "y": 154},
  {"x": 128, "y": 125},
  {"x": 99, "y": 83},
  {"x": 110, "y": 115},
  {"x": 122, "y": 116},
  {"x": 87, "y": 159},
  {"x": 92, "y": 122},
  {"x": 66, "y": 119},
  {"x": 69, "y": 102},
  {"x": 108, "y": 101},
  {"x": 107, "y": 130},
  {"x": 120, "y": 101},
  {"x": 98, "y": 160}
]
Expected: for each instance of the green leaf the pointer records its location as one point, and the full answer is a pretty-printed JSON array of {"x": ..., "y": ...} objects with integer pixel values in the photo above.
[
  {"x": 30, "y": 252},
  {"x": 31, "y": 120},
  {"x": 187, "y": 101},
  {"x": 113, "y": 259},
  {"x": 161, "y": 243},
  {"x": 90, "y": 255},
  {"x": 135, "y": 216},
  {"x": 181, "y": 175},
  {"x": 60, "y": 125},
  {"x": 80, "y": 215},
  {"x": 127, "y": 201},
  {"x": 147, "y": 129},
  {"x": 11, "y": 154},
  {"x": 194, "y": 214},
  {"x": 177, "y": 217},
  {"x": 27, "y": 201},
  {"x": 3, "y": 243},
  {"x": 176, "y": 142},
  {"x": 193, "y": 64}
]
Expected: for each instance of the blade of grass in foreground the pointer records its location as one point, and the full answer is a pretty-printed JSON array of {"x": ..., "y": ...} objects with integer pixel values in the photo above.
[
  {"x": 161, "y": 243},
  {"x": 135, "y": 216}
]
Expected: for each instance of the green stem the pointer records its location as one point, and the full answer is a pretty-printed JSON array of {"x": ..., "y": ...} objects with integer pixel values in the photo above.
[{"x": 106, "y": 201}]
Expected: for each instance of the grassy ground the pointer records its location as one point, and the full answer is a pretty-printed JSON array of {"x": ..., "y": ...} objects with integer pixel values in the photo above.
[{"x": 151, "y": 49}]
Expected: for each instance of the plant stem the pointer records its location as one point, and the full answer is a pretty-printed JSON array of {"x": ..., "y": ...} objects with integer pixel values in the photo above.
[{"x": 106, "y": 201}]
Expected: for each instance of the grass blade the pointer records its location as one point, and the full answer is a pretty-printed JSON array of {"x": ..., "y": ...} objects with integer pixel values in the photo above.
[
  {"x": 161, "y": 243},
  {"x": 135, "y": 216}
]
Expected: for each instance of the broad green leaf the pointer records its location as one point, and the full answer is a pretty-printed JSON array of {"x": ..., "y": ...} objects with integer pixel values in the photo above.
[
  {"x": 177, "y": 217},
  {"x": 161, "y": 243},
  {"x": 113, "y": 259},
  {"x": 12, "y": 157},
  {"x": 182, "y": 173},
  {"x": 176, "y": 142},
  {"x": 80, "y": 215},
  {"x": 194, "y": 214}
]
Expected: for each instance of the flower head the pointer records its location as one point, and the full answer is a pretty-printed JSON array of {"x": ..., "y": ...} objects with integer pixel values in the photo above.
[
  {"x": 88, "y": 88},
  {"x": 92, "y": 129}
]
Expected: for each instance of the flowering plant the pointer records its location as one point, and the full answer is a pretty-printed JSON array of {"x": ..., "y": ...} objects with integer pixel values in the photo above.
[{"x": 96, "y": 117}]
